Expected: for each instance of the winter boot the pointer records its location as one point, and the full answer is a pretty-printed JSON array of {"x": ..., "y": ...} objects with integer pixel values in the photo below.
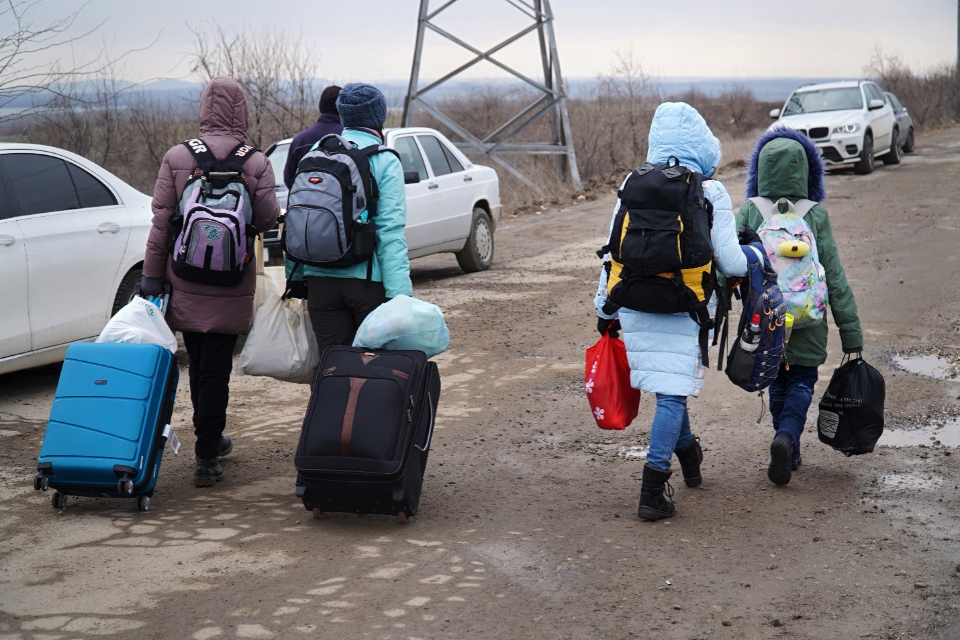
[
  {"x": 226, "y": 446},
  {"x": 781, "y": 459},
  {"x": 690, "y": 458},
  {"x": 655, "y": 495},
  {"x": 208, "y": 472}
]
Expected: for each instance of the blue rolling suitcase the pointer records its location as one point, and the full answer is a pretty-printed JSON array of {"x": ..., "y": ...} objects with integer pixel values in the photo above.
[{"x": 106, "y": 432}]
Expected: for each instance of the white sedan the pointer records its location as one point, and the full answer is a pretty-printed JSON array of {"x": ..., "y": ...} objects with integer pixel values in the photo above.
[
  {"x": 72, "y": 239},
  {"x": 453, "y": 205}
]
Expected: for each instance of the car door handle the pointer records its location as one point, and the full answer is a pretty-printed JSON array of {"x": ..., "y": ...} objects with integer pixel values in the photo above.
[
  {"x": 108, "y": 227},
  {"x": 6, "y": 241},
  {"x": 432, "y": 185},
  {"x": 468, "y": 178}
]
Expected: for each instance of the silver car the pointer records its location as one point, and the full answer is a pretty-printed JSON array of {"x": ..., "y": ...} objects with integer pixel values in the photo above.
[{"x": 904, "y": 123}]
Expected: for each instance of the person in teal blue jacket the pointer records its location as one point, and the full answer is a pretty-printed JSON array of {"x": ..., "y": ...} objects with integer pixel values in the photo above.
[{"x": 340, "y": 298}]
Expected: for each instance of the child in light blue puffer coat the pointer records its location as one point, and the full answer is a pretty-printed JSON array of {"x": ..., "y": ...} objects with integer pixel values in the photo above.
[{"x": 663, "y": 349}]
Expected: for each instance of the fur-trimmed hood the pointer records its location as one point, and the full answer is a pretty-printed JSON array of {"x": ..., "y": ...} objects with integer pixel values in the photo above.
[{"x": 786, "y": 163}]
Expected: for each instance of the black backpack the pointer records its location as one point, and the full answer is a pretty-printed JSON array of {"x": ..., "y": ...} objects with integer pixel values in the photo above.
[{"x": 661, "y": 256}]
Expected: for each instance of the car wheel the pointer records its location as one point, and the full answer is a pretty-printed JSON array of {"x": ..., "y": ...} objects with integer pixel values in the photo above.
[
  {"x": 893, "y": 156},
  {"x": 908, "y": 145},
  {"x": 127, "y": 286},
  {"x": 477, "y": 255},
  {"x": 865, "y": 164}
]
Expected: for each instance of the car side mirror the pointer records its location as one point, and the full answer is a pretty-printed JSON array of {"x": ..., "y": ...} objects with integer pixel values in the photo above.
[
  {"x": 411, "y": 177},
  {"x": 904, "y": 110},
  {"x": 875, "y": 104},
  {"x": 775, "y": 113}
]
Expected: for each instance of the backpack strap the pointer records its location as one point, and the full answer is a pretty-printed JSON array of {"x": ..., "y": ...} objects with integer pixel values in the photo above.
[
  {"x": 763, "y": 205},
  {"x": 768, "y": 207},
  {"x": 374, "y": 149},
  {"x": 240, "y": 154},
  {"x": 200, "y": 151},
  {"x": 803, "y": 206}
]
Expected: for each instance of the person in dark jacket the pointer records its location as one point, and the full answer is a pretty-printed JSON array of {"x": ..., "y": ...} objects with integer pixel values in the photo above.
[
  {"x": 327, "y": 123},
  {"x": 211, "y": 318}
]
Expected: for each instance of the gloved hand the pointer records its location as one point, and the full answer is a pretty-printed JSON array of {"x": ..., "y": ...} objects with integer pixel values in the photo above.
[
  {"x": 612, "y": 325},
  {"x": 151, "y": 287},
  {"x": 749, "y": 236},
  {"x": 295, "y": 289}
]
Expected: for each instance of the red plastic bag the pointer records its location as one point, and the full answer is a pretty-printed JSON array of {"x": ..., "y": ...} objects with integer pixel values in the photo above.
[{"x": 614, "y": 402}]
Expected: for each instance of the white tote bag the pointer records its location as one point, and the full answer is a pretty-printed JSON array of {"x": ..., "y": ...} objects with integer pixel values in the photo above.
[
  {"x": 281, "y": 343},
  {"x": 140, "y": 322}
]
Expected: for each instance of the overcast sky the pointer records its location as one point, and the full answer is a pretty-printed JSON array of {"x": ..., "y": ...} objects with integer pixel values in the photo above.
[{"x": 373, "y": 39}]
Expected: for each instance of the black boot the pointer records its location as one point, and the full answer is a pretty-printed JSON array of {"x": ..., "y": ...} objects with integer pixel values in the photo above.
[
  {"x": 781, "y": 459},
  {"x": 654, "y": 505},
  {"x": 226, "y": 446},
  {"x": 690, "y": 458},
  {"x": 208, "y": 472}
]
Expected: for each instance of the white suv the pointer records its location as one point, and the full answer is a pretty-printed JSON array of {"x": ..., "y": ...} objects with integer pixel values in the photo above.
[{"x": 851, "y": 122}]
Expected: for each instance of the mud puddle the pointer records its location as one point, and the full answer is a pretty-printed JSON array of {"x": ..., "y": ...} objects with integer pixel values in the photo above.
[
  {"x": 627, "y": 452},
  {"x": 929, "y": 365},
  {"x": 946, "y": 435},
  {"x": 911, "y": 481}
]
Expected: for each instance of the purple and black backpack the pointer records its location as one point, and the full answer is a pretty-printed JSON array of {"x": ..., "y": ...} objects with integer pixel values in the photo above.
[{"x": 211, "y": 236}]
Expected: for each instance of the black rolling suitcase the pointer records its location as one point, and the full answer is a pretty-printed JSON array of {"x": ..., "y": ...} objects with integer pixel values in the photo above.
[{"x": 366, "y": 436}]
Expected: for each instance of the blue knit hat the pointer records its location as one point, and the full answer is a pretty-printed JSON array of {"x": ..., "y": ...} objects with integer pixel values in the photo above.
[{"x": 362, "y": 105}]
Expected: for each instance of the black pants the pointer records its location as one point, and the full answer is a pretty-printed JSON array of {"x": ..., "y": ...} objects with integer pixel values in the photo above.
[
  {"x": 338, "y": 305},
  {"x": 211, "y": 360}
]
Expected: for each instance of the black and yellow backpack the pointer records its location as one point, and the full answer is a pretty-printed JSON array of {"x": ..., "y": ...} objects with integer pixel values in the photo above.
[{"x": 660, "y": 254}]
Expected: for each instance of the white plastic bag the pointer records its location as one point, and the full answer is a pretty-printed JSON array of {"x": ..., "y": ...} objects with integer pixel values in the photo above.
[
  {"x": 281, "y": 343},
  {"x": 140, "y": 322},
  {"x": 405, "y": 323}
]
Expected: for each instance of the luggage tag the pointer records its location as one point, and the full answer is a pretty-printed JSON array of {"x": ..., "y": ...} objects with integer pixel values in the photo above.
[{"x": 172, "y": 438}]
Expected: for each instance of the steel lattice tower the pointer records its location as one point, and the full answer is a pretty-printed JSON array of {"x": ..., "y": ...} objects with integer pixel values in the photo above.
[{"x": 551, "y": 94}]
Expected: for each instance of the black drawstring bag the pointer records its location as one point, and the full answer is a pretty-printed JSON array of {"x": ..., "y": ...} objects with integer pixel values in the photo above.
[{"x": 851, "y": 410}]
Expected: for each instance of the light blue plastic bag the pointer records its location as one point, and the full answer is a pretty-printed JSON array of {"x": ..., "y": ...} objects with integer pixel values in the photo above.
[{"x": 405, "y": 323}]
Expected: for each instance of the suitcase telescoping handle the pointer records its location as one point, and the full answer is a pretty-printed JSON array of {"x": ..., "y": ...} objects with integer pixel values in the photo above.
[
  {"x": 433, "y": 416},
  {"x": 162, "y": 301}
]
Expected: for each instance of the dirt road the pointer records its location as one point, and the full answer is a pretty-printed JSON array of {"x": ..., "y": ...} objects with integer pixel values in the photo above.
[{"x": 528, "y": 522}]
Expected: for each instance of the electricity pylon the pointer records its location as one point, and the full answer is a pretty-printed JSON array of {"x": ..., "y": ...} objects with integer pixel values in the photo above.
[{"x": 551, "y": 94}]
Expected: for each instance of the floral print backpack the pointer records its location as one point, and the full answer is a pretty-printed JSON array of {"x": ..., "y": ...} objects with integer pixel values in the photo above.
[{"x": 789, "y": 243}]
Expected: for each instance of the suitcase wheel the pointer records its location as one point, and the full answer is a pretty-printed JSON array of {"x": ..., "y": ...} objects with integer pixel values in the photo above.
[
  {"x": 125, "y": 485},
  {"x": 317, "y": 513},
  {"x": 404, "y": 518},
  {"x": 41, "y": 482},
  {"x": 59, "y": 501},
  {"x": 143, "y": 503}
]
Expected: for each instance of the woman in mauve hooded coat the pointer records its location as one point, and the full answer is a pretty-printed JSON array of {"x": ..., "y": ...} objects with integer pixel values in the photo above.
[
  {"x": 210, "y": 317},
  {"x": 664, "y": 349}
]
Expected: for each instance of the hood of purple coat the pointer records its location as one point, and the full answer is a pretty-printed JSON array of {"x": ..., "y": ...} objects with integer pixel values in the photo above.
[{"x": 223, "y": 109}]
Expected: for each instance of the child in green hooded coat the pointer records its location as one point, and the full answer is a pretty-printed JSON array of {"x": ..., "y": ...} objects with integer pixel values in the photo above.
[{"x": 786, "y": 164}]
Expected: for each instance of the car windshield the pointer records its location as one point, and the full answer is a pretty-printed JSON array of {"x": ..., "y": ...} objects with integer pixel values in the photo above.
[
  {"x": 824, "y": 100},
  {"x": 278, "y": 158}
]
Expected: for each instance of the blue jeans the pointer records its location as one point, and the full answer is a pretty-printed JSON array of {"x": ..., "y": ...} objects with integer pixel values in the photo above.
[
  {"x": 790, "y": 397},
  {"x": 670, "y": 430}
]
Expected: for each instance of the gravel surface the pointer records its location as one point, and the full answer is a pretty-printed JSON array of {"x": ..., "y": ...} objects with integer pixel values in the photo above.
[{"x": 528, "y": 523}]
